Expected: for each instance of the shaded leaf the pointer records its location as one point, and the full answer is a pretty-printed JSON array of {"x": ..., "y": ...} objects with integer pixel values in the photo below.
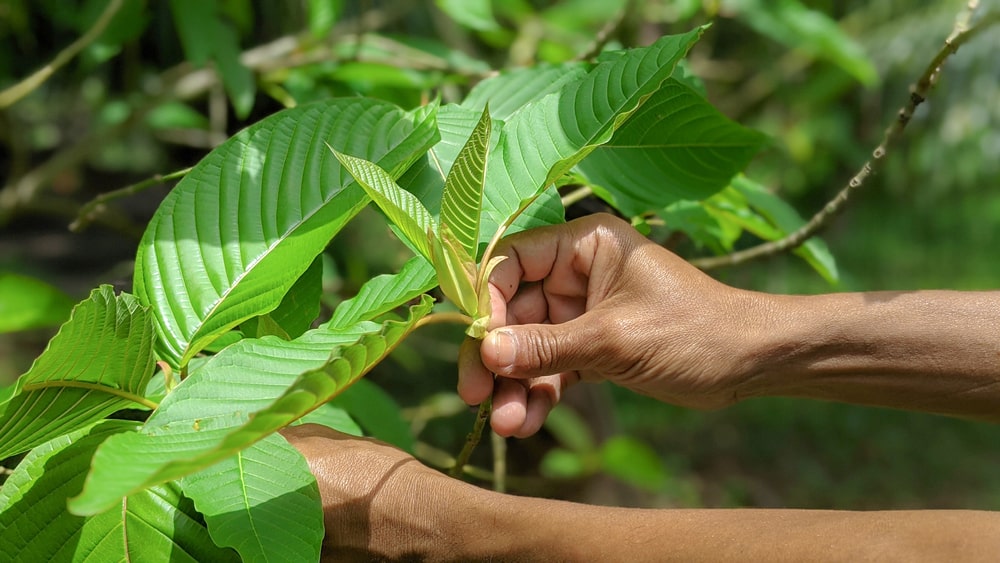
[
  {"x": 377, "y": 413},
  {"x": 263, "y": 502},
  {"x": 333, "y": 416},
  {"x": 474, "y": 14},
  {"x": 634, "y": 462},
  {"x": 99, "y": 362},
  {"x": 229, "y": 404},
  {"x": 35, "y": 525},
  {"x": 29, "y": 303},
  {"x": 237, "y": 232}
]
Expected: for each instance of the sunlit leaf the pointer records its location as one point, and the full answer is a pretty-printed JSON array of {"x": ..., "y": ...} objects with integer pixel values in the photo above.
[
  {"x": 263, "y": 502},
  {"x": 98, "y": 363},
  {"x": 35, "y": 525},
  {"x": 384, "y": 293},
  {"x": 463, "y": 188},
  {"x": 229, "y": 404},
  {"x": 677, "y": 146},
  {"x": 456, "y": 271},
  {"x": 399, "y": 205},
  {"x": 237, "y": 232}
]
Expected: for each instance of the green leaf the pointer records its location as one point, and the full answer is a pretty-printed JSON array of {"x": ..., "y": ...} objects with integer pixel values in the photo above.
[
  {"x": 456, "y": 271},
  {"x": 322, "y": 15},
  {"x": 399, "y": 205},
  {"x": 799, "y": 27},
  {"x": 237, "y": 232},
  {"x": 196, "y": 22},
  {"x": 35, "y": 525},
  {"x": 783, "y": 216},
  {"x": 263, "y": 502},
  {"x": 569, "y": 429},
  {"x": 677, "y": 146},
  {"x": 301, "y": 305},
  {"x": 29, "y": 303},
  {"x": 333, "y": 416},
  {"x": 510, "y": 90},
  {"x": 560, "y": 463},
  {"x": 474, "y": 14},
  {"x": 463, "y": 189},
  {"x": 237, "y": 78},
  {"x": 548, "y": 137},
  {"x": 377, "y": 413},
  {"x": 384, "y": 293},
  {"x": 99, "y": 362},
  {"x": 634, "y": 462},
  {"x": 229, "y": 404}
]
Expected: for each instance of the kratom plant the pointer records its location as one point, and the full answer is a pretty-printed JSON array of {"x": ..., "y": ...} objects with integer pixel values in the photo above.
[{"x": 150, "y": 421}]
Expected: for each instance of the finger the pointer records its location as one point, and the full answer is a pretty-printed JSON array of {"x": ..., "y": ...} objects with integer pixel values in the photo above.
[
  {"x": 475, "y": 382},
  {"x": 510, "y": 404},
  {"x": 543, "y": 395},
  {"x": 534, "y": 350}
]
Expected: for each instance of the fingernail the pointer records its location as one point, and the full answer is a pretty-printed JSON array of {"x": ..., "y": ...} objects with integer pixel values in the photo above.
[{"x": 503, "y": 342}]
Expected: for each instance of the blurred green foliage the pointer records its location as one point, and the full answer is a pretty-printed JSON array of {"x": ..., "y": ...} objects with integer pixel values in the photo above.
[{"x": 821, "y": 78}]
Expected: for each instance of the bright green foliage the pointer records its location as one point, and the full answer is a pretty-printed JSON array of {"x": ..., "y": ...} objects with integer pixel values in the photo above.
[
  {"x": 463, "y": 188},
  {"x": 233, "y": 236},
  {"x": 156, "y": 524},
  {"x": 263, "y": 502},
  {"x": 195, "y": 428},
  {"x": 677, "y": 147},
  {"x": 384, "y": 293},
  {"x": 27, "y": 303},
  {"x": 98, "y": 363},
  {"x": 474, "y": 14}
]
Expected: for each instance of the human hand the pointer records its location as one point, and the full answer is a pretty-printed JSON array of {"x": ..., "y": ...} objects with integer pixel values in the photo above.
[
  {"x": 378, "y": 501},
  {"x": 591, "y": 300}
]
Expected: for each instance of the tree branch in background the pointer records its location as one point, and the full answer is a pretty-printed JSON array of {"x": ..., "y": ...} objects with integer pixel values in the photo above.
[
  {"x": 606, "y": 33},
  {"x": 919, "y": 91},
  {"x": 95, "y": 207},
  {"x": 23, "y": 88}
]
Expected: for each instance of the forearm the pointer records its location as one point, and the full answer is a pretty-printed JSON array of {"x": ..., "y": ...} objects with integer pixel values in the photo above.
[
  {"x": 933, "y": 351},
  {"x": 525, "y": 529}
]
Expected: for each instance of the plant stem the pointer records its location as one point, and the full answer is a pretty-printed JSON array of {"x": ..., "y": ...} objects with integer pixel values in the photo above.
[
  {"x": 449, "y": 317},
  {"x": 11, "y": 95},
  {"x": 491, "y": 247},
  {"x": 93, "y": 387},
  {"x": 472, "y": 440},
  {"x": 499, "y": 444},
  {"x": 577, "y": 195},
  {"x": 94, "y": 207},
  {"x": 919, "y": 92}
]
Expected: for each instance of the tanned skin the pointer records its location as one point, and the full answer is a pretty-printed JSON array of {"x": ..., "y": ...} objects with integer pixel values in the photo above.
[{"x": 593, "y": 300}]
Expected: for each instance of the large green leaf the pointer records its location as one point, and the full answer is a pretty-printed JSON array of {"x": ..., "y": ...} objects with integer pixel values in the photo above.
[
  {"x": 463, "y": 188},
  {"x": 98, "y": 363},
  {"x": 239, "y": 229},
  {"x": 399, "y": 205},
  {"x": 677, "y": 146},
  {"x": 243, "y": 394},
  {"x": 377, "y": 412},
  {"x": 153, "y": 525},
  {"x": 548, "y": 137},
  {"x": 508, "y": 92},
  {"x": 28, "y": 303},
  {"x": 263, "y": 502},
  {"x": 297, "y": 310}
]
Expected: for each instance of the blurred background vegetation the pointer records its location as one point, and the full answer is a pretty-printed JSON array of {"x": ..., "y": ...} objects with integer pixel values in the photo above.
[{"x": 166, "y": 81}]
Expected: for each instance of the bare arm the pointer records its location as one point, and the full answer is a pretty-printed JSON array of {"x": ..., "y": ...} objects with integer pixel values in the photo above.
[
  {"x": 381, "y": 504},
  {"x": 593, "y": 299}
]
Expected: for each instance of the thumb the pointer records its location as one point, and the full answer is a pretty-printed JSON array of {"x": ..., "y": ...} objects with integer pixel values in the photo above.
[{"x": 534, "y": 350}]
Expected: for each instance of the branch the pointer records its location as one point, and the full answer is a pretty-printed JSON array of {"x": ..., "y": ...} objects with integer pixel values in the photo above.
[
  {"x": 919, "y": 91},
  {"x": 605, "y": 34},
  {"x": 26, "y": 86},
  {"x": 95, "y": 207},
  {"x": 472, "y": 440}
]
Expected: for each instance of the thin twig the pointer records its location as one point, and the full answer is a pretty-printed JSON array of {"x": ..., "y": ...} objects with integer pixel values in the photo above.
[
  {"x": 577, "y": 195},
  {"x": 605, "y": 34},
  {"x": 453, "y": 317},
  {"x": 472, "y": 440},
  {"x": 919, "y": 91},
  {"x": 23, "y": 88},
  {"x": 499, "y": 444},
  {"x": 93, "y": 208}
]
